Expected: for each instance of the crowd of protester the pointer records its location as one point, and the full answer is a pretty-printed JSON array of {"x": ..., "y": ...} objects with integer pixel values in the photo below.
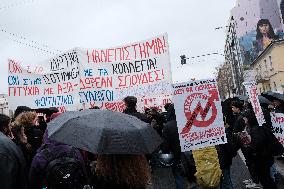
[{"x": 29, "y": 159}]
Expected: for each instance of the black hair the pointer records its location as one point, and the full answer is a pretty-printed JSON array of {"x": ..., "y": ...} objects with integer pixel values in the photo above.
[
  {"x": 270, "y": 34},
  {"x": 237, "y": 104},
  {"x": 250, "y": 115},
  {"x": 147, "y": 110},
  {"x": 21, "y": 109},
  {"x": 130, "y": 101},
  {"x": 94, "y": 108},
  {"x": 249, "y": 106},
  {"x": 4, "y": 122},
  {"x": 171, "y": 112},
  {"x": 167, "y": 106}
]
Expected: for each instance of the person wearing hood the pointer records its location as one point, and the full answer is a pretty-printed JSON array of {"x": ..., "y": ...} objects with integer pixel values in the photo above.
[{"x": 39, "y": 164}]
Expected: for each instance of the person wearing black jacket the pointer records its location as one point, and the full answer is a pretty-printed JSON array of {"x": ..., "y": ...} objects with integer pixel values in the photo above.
[
  {"x": 13, "y": 174},
  {"x": 279, "y": 106},
  {"x": 172, "y": 144},
  {"x": 260, "y": 151},
  {"x": 239, "y": 123},
  {"x": 157, "y": 120},
  {"x": 239, "y": 126},
  {"x": 226, "y": 153},
  {"x": 130, "y": 102},
  {"x": 42, "y": 124},
  {"x": 170, "y": 134}
]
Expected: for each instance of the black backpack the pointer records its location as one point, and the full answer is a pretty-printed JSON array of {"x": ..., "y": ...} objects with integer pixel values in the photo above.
[{"x": 64, "y": 171}]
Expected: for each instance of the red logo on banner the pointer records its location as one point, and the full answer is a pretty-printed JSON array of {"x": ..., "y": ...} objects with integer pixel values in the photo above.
[{"x": 192, "y": 115}]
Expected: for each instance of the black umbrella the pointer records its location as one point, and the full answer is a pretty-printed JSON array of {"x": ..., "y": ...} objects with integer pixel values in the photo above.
[
  {"x": 243, "y": 97},
  {"x": 273, "y": 95},
  {"x": 104, "y": 132},
  {"x": 263, "y": 100}
]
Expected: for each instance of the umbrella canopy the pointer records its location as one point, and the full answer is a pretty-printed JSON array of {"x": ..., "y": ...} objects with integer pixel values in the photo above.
[
  {"x": 243, "y": 97},
  {"x": 104, "y": 132},
  {"x": 273, "y": 95},
  {"x": 261, "y": 99}
]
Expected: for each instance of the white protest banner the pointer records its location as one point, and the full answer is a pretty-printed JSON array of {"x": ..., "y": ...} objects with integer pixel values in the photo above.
[
  {"x": 277, "y": 120},
  {"x": 199, "y": 114},
  {"x": 253, "y": 97},
  {"x": 114, "y": 106},
  {"x": 96, "y": 77},
  {"x": 155, "y": 101},
  {"x": 52, "y": 83},
  {"x": 136, "y": 69}
]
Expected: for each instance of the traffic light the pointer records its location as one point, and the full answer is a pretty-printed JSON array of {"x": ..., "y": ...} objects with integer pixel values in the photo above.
[{"x": 183, "y": 59}]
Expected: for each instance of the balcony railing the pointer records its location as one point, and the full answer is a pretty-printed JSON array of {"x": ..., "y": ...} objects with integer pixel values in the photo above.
[{"x": 261, "y": 77}]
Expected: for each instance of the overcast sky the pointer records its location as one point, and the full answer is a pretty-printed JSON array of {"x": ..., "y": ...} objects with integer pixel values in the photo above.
[{"x": 60, "y": 25}]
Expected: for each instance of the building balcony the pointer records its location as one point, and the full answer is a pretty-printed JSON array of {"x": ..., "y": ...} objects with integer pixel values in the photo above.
[{"x": 259, "y": 78}]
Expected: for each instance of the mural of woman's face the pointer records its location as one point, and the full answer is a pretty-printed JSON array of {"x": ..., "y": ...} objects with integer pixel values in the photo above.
[{"x": 264, "y": 28}]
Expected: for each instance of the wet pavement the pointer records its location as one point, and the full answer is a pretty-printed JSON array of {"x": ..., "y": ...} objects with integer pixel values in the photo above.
[{"x": 162, "y": 178}]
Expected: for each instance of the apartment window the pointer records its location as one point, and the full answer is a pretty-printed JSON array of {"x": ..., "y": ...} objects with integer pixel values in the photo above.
[
  {"x": 275, "y": 86},
  {"x": 263, "y": 89},
  {"x": 270, "y": 62},
  {"x": 269, "y": 87},
  {"x": 265, "y": 65},
  {"x": 246, "y": 23}
]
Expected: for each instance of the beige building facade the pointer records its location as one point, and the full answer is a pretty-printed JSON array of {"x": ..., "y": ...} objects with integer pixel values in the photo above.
[
  {"x": 4, "y": 109},
  {"x": 268, "y": 68}
]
